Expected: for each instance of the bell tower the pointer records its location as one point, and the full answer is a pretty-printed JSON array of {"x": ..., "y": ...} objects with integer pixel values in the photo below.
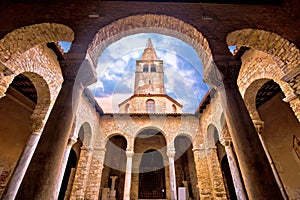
[
  {"x": 149, "y": 74},
  {"x": 149, "y": 91}
]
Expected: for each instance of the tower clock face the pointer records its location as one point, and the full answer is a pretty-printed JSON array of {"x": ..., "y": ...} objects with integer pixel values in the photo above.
[{"x": 141, "y": 83}]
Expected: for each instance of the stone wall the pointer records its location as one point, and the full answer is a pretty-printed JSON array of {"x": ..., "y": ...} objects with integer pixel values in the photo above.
[
  {"x": 137, "y": 104},
  {"x": 14, "y": 117},
  {"x": 171, "y": 126},
  {"x": 280, "y": 125},
  {"x": 257, "y": 68},
  {"x": 40, "y": 65}
]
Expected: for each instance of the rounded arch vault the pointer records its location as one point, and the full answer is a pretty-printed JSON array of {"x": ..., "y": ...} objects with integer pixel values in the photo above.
[{"x": 147, "y": 23}]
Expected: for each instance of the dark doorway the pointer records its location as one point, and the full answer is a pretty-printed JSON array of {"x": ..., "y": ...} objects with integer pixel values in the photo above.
[
  {"x": 152, "y": 183},
  {"x": 71, "y": 164},
  {"x": 228, "y": 178}
]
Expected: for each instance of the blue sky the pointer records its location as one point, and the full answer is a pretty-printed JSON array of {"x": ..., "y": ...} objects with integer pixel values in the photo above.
[{"x": 116, "y": 69}]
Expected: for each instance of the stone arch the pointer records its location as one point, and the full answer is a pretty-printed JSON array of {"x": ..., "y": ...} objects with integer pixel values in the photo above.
[
  {"x": 154, "y": 141},
  {"x": 147, "y": 23},
  {"x": 43, "y": 106},
  {"x": 116, "y": 134},
  {"x": 212, "y": 135},
  {"x": 185, "y": 135},
  {"x": 185, "y": 170},
  {"x": 259, "y": 65},
  {"x": 26, "y": 127},
  {"x": 114, "y": 163},
  {"x": 85, "y": 134},
  {"x": 285, "y": 53},
  {"x": 21, "y": 39},
  {"x": 150, "y": 105},
  {"x": 152, "y": 172},
  {"x": 250, "y": 97},
  {"x": 35, "y": 61},
  {"x": 151, "y": 128},
  {"x": 154, "y": 131}
]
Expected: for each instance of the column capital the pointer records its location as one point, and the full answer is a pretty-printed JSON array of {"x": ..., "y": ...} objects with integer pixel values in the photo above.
[
  {"x": 226, "y": 142},
  {"x": 113, "y": 177},
  {"x": 198, "y": 149},
  {"x": 225, "y": 135},
  {"x": 99, "y": 149},
  {"x": 229, "y": 70},
  {"x": 72, "y": 141},
  {"x": 129, "y": 154},
  {"x": 81, "y": 70},
  {"x": 171, "y": 153},
  {"x": 222, "y": 72},
  {"x": 259, "y": 125},
  {"x": 88, "y": 148}
]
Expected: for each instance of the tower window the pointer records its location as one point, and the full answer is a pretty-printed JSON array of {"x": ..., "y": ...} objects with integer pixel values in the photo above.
[
  {"x": 150, "y": 106},
  {"x": 127, "y": 108},
  {"x": 153, "y": 68},
  {"x": 146, "y": 68},
  {"x": 174, "y": 110}
]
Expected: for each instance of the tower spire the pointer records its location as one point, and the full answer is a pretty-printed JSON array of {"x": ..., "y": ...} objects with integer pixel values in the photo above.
[{"x": 149, "y": 51}]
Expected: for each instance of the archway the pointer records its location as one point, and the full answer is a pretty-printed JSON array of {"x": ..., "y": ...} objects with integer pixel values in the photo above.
[
  {"x": 185, "y": 167},
  {"x": 150, "y": 160},
  {"x": 43, "y": 33},
  {"x": 228, "y": 178},
  {"x": 280, "y": 125},
  {"x": 67, "y": 182},
  {"x": 152, "y": 184},
  {"x": 114, "y": 169},
  {"x": 150, "y": 23},
  {"x": 76, "y": 157},
  {"x": 16, "y": 110},
  {"x": 212, "y": 136},
  {"x": 267, "y": 42}
]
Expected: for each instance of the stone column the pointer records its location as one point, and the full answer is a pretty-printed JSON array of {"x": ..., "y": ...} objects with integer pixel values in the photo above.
[
  {"x": 259, "y": 126},
  {"x": 112, "y": 193},
  {"x": 204, "y": 183},
  {"x": 64, "y": 162},
  {"x": 82, "y": 173},
  {"x": 41, "y": 179},
  {"x": 128, "y": 174},
  {"x": 256, "y": 171},
  {"x": 95, "y": 173},
  {"x": 21, "y": 168},
  {"x": 171, "y": 154},
  {"x": 215, "y": 173},
  {"x": 186, "y": 186},
  {"x": 235, "y": 173},
  {"x": 70, "y": 184}
]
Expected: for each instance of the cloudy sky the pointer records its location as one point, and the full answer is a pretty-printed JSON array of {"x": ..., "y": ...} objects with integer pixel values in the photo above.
[{"x": 116, "y": 69}]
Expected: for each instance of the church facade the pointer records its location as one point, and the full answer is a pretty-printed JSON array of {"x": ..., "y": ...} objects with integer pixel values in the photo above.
[{"x": 241, "y": 143}]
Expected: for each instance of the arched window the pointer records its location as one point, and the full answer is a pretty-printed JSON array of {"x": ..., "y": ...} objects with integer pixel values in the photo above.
[
  {"x": 127, "y": 108},
  {"x": 153, "y": 68},
  {"x": 150, "y": 106},
  {"x": 145, "y": 68},
  {"x": 174, "y": 109}
]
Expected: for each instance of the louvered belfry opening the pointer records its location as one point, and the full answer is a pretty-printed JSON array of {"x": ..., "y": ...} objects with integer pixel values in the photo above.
[{"x": 152, "y": 184}]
